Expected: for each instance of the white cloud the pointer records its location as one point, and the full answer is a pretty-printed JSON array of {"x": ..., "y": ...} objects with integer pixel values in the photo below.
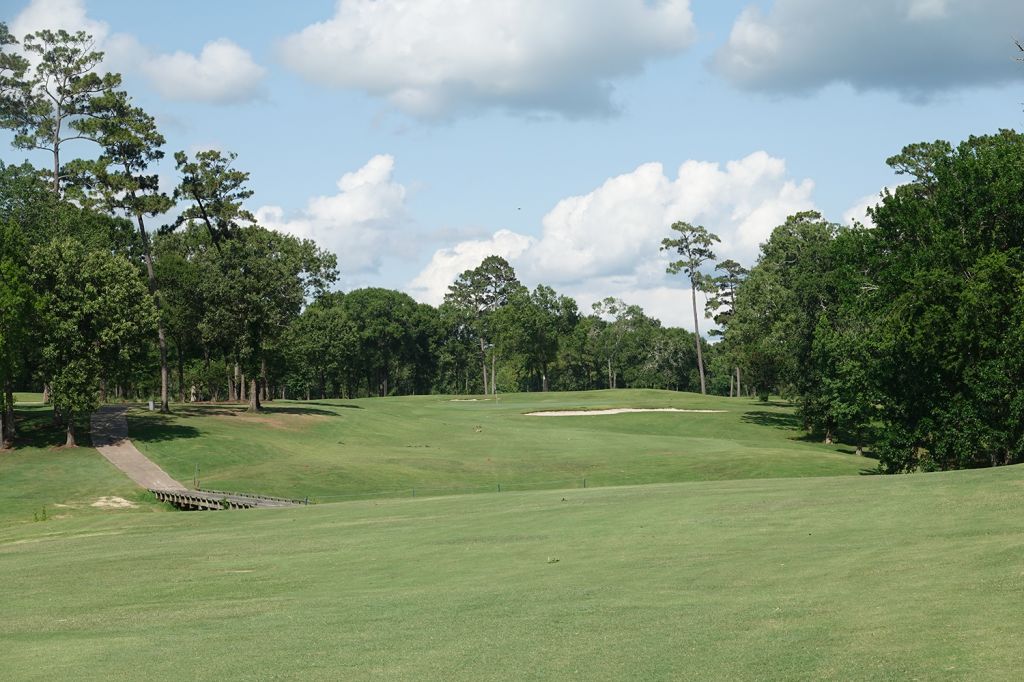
[
  {"x": 914, "y": 47},
  {"x": 607, "y": 242},
  {"x": 616, "y": 228},
  {"x": 432, "y": 283},
  {"x": 435, "y": 57},
  {"x": 858, "y": 212},
  {"x": 222, "y": 73},
  {"x": 359, "y": 223},
  {"x": 69, "y": 15}
]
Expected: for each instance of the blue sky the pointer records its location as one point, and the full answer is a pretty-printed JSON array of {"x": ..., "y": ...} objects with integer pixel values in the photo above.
[{"x": 415, "y": 138}]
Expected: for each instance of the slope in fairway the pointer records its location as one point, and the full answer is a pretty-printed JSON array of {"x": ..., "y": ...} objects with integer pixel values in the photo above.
[
  {"x": 846, "y": 578},
  {"x": 334, "y": 450},
  {"x": 42, "y": 478}
]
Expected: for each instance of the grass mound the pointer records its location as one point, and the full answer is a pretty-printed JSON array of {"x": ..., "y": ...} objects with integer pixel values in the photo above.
[
  {"x": 43, "y": 480},
  {"x": 334, "y": 450}
]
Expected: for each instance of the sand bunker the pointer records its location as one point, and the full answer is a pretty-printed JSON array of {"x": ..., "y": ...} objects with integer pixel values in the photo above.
[
  {"x": 113, "y": 503},
  {"x": 616, "y": 410}
]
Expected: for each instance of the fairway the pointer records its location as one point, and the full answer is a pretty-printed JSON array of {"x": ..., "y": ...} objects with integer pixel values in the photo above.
[
  {"x": 830, "y": 578},
  {"x": 333, "y": 450}
]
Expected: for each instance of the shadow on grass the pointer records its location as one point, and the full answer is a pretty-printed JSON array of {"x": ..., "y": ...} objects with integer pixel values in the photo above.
[
  {"x": 155, "y": 428},
  {"x": 37, "y": 430},
  {"x": 347, "y": 406},
  {"x": 233, "y": 410},
  {"x": 273, "y": 409},
  {"x": 778, "y": 420}
]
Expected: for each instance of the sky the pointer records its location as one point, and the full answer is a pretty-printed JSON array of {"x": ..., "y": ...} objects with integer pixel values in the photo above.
[{"x": 415, "y": 138}]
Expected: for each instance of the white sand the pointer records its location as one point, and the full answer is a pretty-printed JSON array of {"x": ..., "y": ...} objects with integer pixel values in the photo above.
[
  {"x": 113, "y": 503},
  {"x": 617, "y": 410}
]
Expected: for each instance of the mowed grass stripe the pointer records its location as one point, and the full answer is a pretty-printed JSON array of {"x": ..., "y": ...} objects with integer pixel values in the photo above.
[
  {"x": 337, "y": 449},
  {"x": 830, "y": 578}
]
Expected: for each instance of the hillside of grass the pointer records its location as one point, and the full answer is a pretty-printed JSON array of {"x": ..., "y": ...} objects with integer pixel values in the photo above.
[
  {"x": 40, "y": 478},
  {"x": 846, "y": 578},
  {"x": 334, "y": 450}
]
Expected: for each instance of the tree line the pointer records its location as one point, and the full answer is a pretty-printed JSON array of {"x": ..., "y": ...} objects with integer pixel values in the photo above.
[
  {"x": 907, "y": 336},
  {"x": 102, "y": 295},
  {"x": 904, "y": 338}
]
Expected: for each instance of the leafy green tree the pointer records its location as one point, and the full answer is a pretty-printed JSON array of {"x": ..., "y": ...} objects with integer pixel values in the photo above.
[
  {"x": 131, "y": 144},
  {"x": 258, "y": 284},
  {"x": 778, "y": 306},
  {"x": 384, "y": 321},
  {"x": 720, "y": 305},
  {"x": 475, "y": 295},
  {"x": 52, "y": 99},
  {"x": 321, "y": 347},
  {"x": 532, "y": 326},
  {"x": 16, "y": 300},
  {"x": 949, "y": 305},
  {"x": 693, "y": 245},
  {"x": 12, "y": 70},
  {"x": 93, "y": 309},
  {"x": 617, "y": 338},
  {"x": 216, "y": 192}
]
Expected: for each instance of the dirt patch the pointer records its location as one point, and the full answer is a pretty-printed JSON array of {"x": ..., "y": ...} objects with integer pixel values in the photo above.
[
  {"x": 616, "y": 410},
  {"x": 113, "y": 502},
  {"x": 285, "y": 422}
]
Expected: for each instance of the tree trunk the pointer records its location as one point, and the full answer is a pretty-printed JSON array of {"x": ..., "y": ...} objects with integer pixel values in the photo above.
[
  {"x": 181, "y": 374},
  {"x": 56, "y": 159},
  {"x": 263, "y": 381},
  {"x": 70, "y": 442},
  {"x": 732, "y": 382},
  {"x": 610, "y": 385},
  {"x": 544, "y": 379},
  {"x": 241, "y": 389},
  {"x": 483, "y": 355},
  {"x": 739, "y": 393},
  {"x": 494, "y": 373},
  {"x": 10, "y": 429},
  {"x": 46, "y": 393},
  {"x": 254, "y": 396},
  {"x": 161, "y": 336},
  {"x": 237, "y": 392},
  {"x": 696, "y": 335}
]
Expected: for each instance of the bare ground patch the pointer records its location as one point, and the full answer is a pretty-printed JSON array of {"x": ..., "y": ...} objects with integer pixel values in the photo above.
[
  {"x": 113, "y": 502},
  {"x": 287, "y": 422}
]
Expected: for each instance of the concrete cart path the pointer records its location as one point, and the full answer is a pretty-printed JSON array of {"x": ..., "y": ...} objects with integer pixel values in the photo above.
[{"x": 110, "y": 437}]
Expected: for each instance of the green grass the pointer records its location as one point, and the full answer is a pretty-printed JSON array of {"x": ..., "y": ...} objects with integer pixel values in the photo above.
[
  {"x": 28, "y": 398},
  {"x": 333, "y": 450},
  {"x": 40, "y": 474},
  {"x": 845, "y": 578}
]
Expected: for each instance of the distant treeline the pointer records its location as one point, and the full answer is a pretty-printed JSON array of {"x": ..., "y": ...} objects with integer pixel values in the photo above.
[{"x": 906, "y": 337}]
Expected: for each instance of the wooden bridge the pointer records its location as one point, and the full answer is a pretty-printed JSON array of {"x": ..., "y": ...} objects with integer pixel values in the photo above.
[{"x": 218, "y": 499}]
